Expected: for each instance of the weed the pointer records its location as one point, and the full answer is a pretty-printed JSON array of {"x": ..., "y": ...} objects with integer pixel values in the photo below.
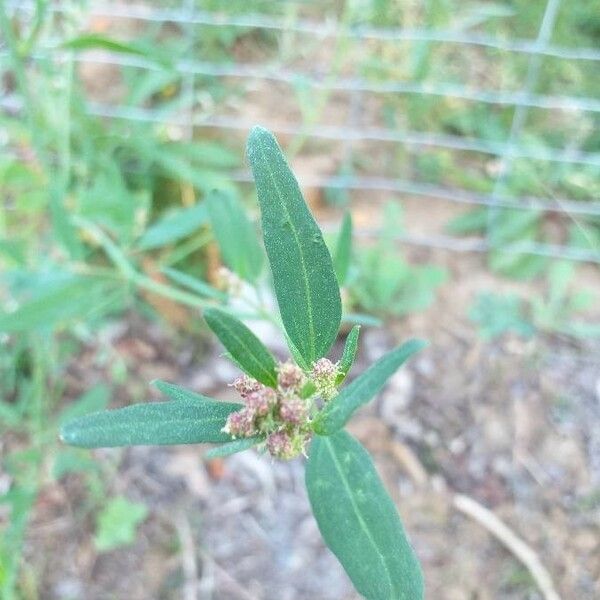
[{"x": 287, "y": 406}]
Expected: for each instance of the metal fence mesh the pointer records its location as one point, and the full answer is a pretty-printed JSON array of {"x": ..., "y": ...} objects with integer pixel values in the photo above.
[{"x": 358, "y": 91}]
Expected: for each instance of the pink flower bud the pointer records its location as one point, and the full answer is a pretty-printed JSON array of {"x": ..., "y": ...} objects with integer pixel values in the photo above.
[
  {"x": 261, "y": 401},
  {"x": 279, "y": 445},
  {"x": 324, "y": 369},
  {"x": 245, "y": 385},
  {"x": 241, "y": 423},
  {"x": 293, "y": 410},
  {"x": 290, "y": 376}
]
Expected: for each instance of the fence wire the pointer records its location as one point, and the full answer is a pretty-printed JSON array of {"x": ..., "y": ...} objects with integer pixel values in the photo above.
[{"x": 187, "y": 15}]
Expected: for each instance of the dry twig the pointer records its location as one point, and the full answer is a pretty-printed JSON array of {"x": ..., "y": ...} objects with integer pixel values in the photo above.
[{"x": 510, "y": 540}]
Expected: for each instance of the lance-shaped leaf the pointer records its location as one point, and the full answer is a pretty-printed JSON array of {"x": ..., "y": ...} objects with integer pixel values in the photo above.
[
  {"x": 245, "y": 348},
  {"x": 358, "y": 520},
  {"x": 303, "y": 276},
  {"x": 175, "y": 422},
  {"x": 236, "y": 235},
  {"x": 343, "y": 249},
  {"x": 349, "y": 353},
  {"x": 337, "y": 412}
]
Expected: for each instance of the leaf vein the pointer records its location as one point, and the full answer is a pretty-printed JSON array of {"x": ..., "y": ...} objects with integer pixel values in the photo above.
[{"x": 358, "y": 513}]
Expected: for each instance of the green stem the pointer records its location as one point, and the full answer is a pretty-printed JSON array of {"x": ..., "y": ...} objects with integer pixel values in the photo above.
[{"x": 129, "y": 272}]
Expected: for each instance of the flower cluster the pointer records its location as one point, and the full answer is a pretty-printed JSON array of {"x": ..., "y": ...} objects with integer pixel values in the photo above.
[
  {"x": 324, "y": 375},
  {"x": 281, "y": 415}
]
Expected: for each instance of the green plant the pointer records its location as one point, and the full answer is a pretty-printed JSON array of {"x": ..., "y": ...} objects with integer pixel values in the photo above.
[
  {"x": 384, "y": 283},
  {"x": 287, "y": 406},
  {"x": 117, "y": 523},
  {"x": 496, "y": 315},
  {"x": 553, "y": 312}
]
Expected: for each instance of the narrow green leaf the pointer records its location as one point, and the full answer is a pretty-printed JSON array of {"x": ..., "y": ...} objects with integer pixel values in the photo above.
[
  {"x": 194, "y": 284},
  {"x": 308, "y": 389},
  {"x": 337, "y": 412},
  {"x": 94, "y": 400},
  {"x": 349, "y": 353},
  {"x": 176, "y": 392},
  {"x": 173, "y": 227},
  {"x": 93, "y": 41},
  {"x": 358, "y": 520},
  {"x": 245, "y": 348},
  {"x": 343, "y": 249},
  {"x": 71, "y": 298},
  {"x": 235, "y": 235},
  {"x": 303, "y": 276},
  {"x": 177, "y": 422},
  {"x": 233, "y": 447},
  {"x": 362, "y": 319}
]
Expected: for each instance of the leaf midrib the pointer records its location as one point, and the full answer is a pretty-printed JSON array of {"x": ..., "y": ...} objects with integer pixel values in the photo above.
[
  {"x": 302, "y": 258},
  {"x": 357, "y": 512}
]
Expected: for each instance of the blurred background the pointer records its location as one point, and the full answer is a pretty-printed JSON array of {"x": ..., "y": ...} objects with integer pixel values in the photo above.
[{"x": 462, "y": 138}]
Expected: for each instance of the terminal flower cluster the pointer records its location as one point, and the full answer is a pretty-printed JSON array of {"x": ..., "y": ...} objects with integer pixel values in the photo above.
[{"x": 283, "y": 415}]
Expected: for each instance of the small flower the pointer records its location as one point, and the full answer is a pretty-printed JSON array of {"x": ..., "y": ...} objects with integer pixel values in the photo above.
[
  {"x": 290, "y": 376},
  {"x": 261, "y": 401},
  {"x": 245, "y": 385},
  {"x": 293, "y": 410},
  {"x": 324, "y": 374},
  {"x": 279, "y": 445},
  {"x": 324, "y": 369},
  {"x": 241, "y": 423},
  {"x": 285, "y": 445}
]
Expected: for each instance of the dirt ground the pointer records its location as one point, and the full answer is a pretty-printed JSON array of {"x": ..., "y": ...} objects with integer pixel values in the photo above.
[{"x": 512, "y": 425}]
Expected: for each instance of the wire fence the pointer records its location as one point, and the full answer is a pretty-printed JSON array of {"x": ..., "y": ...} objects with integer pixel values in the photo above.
[{"x": 359, "y": 90}]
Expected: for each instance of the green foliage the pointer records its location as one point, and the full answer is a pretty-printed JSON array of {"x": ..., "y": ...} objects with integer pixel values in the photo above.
[
  {"x": 233, "y": 447},
  {"x": 173, "y": 226},
  {"x": 553, "y": 312},
  {"x": 303, "y": 275},
  {"x": 118, "y": 522},
  {"x": 56, "y": 298},
  {"x": 245, "y": 348},
  {"x": 195, "y": 285},
  {"x": 235, "y": 235},
  {"x": 349, "y": 354},
  {"x": 176, "y": 422},
  {"x": 496, "y": 315},
  {"x": 285, "y": 404},
  {"x": 343, "y": 249},
  {"x": 99, "y": 42},
  {"x": 359, "y": 521},
  {"x": 337, "y": 412},
  {"x": 385, "y": 284}
]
